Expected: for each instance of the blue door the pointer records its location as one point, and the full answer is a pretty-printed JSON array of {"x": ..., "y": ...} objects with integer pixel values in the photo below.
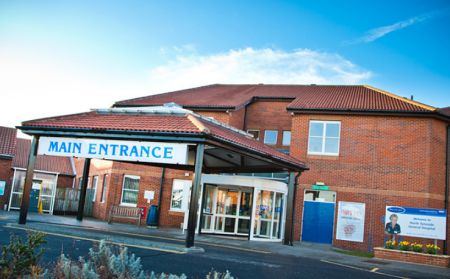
[{"x": 318, "y": 218}]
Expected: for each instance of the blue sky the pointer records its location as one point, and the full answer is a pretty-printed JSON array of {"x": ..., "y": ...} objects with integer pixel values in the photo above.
[{"x": 59, "y": 57}]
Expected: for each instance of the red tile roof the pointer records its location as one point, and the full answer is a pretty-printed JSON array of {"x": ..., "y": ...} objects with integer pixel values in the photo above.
[
  {"x": 7, "y": 141},
  {"x": 335, "y": 97},
  {"x": 445, "y": 111},
  {"x": 62, "y": 165},
  {"x": 158, "y": 123},
  {"x": 94, "y": 120}
]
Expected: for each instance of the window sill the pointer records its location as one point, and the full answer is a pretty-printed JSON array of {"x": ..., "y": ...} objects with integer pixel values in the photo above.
[
  {"x": 128, "y": 205},
  {"x": 178, "y": 210},
  {"x": 323, "y": 157}
]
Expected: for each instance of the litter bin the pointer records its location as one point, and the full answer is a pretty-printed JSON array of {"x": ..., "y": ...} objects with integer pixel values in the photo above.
[{"x": 152, "y": 217}]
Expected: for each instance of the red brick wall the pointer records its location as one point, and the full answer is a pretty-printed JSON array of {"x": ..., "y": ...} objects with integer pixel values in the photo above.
[
  {"x": 6, "y": 175},
  {"x": 232, "y": 118},
  {"x": 65, "y": 181},
  {"x": 382, "y": 161},
  {"x": 269, "y": 116},
  {"x": 412, "y": 257}
]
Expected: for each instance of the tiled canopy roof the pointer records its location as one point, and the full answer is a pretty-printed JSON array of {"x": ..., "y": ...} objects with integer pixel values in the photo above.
[
  {"x": 7, "y": 141},
  {"x": 159, "y": 123},
  {"x": 62, "y": 165},
  {"x": 335, "y": 97}
]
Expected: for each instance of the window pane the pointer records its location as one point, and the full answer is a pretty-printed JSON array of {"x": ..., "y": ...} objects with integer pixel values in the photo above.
[
  {"x": 286, "y": 137},
  {"x": 130, "y": 197},
  {"x": 315, "y": 145},
  {"x": 332, "y": 130},
  {"x": 331, "y": 145},
  {"x": 131, "y": 184},
  {"x": 271, "y": 137},
  {"x": 281, "y": 175},
  {"x": 104, "y": 187},
  {"x": 177, "y": 194},
  {"x": 316, "y": 129}
]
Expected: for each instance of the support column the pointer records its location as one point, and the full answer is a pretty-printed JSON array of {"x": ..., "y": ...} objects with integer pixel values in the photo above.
[
  {"x": 28, "y": 181},
  {"x": 87, "y": 165},
  {"x": 288, "y": 237},
  {"x": 194, "y": 196}
]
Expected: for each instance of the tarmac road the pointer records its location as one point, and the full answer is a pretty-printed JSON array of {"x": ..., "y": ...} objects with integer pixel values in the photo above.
[{"x": 241, "y": 263}]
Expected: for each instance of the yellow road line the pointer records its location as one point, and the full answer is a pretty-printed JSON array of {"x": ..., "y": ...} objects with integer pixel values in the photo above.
[
  {"x": 108, "y": 241},
  {"x": 174, "y": 239},
  {"x": 375, "y": 269},
  {"x": 349, "y": 266}
]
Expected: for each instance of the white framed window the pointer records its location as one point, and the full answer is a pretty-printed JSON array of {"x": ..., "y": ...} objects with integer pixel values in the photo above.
[
  {"x": 286, "y": 138},
  {"x": 270, "y": 137},
  {"x": 94, "y": 187},
  {"x": 255, "y": 133},
  {"x": 324, "y": 137},
  {"x": 181, "y": 195},
  {"x": 130, "y": 190},
  {"x": 105, "y": 179}
]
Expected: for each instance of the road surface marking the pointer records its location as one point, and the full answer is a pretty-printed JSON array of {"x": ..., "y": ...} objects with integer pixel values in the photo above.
[
  {"x": 168, "y": 238},
  {"x": 375, "y": 269},
  {"x": 107, "y": 241},
  {"x": 349, "y": 266}
]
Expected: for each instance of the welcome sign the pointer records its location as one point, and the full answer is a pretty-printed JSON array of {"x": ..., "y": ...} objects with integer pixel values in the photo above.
[
  {"x": 135, "y": 151},
  {"x": 418, "y": 222}
]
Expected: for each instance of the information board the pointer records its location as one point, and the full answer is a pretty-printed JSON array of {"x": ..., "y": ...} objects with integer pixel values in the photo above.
[{"x": 350, "y": 222}]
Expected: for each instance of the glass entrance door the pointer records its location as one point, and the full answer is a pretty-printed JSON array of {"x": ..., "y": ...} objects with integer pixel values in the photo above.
[
  {"x": 227, "y": 210},
  {"x": 268, "y": 214}
]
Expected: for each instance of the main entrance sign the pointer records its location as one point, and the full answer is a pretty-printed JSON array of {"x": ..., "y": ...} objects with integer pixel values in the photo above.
[{"x": 135, "y": 151}]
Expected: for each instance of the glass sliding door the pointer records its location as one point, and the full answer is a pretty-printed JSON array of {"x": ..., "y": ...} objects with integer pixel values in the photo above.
[
  {"x": 269, "y": 213},
  {"x": 207, "y": 208}
]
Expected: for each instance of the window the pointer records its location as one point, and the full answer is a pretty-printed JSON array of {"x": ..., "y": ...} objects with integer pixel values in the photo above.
[
  {"x": 81, "y": 182},
  {"x": 94, "y": 187},
  {"x": 324, "y": 137},
  {"x": 105, "y": 179},
  {"x": 286, "y": 138},
  {"x": 181, "y": 195},
  {"x": 270, "y": 137},
  {"x": 255, "y": 133},
  {"x": 130, "y": 190}
]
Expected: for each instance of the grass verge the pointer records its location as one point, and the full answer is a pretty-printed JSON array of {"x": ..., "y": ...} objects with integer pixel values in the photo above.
[{"x": 358, "y": 254}]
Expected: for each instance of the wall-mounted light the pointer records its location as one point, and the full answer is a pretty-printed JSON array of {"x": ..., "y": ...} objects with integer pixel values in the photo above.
[{"x": 320, "y": 183}]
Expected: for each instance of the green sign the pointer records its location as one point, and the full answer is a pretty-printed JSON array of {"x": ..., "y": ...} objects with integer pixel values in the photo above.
[{"x": 320, "y": 187}]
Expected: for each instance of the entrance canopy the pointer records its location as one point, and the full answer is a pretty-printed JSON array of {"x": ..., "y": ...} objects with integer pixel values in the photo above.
[
  {"x": 227, "y": 149},
  {"x": 154, "y": 136}
]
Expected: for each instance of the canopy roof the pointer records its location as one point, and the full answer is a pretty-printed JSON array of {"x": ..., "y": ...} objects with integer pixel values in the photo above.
[{"x": 227, "y": 149}]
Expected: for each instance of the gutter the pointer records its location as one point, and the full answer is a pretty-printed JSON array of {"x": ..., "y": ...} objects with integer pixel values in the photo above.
[
  {"x": 447, "y": 177},
  {"x": 6, "y": 157}
]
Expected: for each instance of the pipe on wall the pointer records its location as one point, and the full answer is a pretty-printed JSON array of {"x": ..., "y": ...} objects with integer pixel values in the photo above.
[
  {"x": 293, "y": 211},
  {"x": 160, "y": 193},
  {"x": 447, "y": 177}
]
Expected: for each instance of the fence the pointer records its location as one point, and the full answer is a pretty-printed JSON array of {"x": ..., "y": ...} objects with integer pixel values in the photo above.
[{"x": 67, "y": 199}]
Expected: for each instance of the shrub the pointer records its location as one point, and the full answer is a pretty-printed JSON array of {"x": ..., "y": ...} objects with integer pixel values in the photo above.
[
  {"x": 432, "y": 249},
  {"x": 417, "y": 247},
  {"x": 404, "y": 246},
  {"x": 390, "y": 244},
  {"x": 18, "y": 258}
]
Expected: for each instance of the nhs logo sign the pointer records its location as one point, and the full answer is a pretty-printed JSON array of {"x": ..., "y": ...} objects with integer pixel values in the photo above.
[{"x": 134, "y": 151}]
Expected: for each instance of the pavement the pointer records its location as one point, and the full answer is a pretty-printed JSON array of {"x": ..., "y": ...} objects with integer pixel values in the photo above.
[{"x": 171, "y": 239}]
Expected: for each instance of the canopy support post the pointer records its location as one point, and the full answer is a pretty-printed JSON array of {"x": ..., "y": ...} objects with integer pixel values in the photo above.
[
  {"x": 288, "y": 237},
  {"x": 194, "y": 196},
  {"x": 28, "y": 181},
  {"x": 81, "y": 202}
]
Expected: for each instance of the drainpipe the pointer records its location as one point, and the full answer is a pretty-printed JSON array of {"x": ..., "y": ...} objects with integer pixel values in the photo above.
[
  {"x": 160, "y": 193},
  {"x": 447, "y": 177},
  {"x": 293, "y": 204},
  {"x": 245, "y": 119}
]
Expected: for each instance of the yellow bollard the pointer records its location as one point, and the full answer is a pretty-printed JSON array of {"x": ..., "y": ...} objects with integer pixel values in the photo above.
[{"x": 40, "y": 208}]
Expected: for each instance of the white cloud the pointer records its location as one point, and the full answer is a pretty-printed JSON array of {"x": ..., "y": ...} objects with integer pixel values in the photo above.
[
  {"x": 35, "y": 87},
  {"x": 250, "y": 66},
  {"x": 379, "y": 32}
]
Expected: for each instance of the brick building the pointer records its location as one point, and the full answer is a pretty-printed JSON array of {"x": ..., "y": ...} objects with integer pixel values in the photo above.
[
  {"x": 50, "y": 170},
  {"x": 361, "y": 144}
]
